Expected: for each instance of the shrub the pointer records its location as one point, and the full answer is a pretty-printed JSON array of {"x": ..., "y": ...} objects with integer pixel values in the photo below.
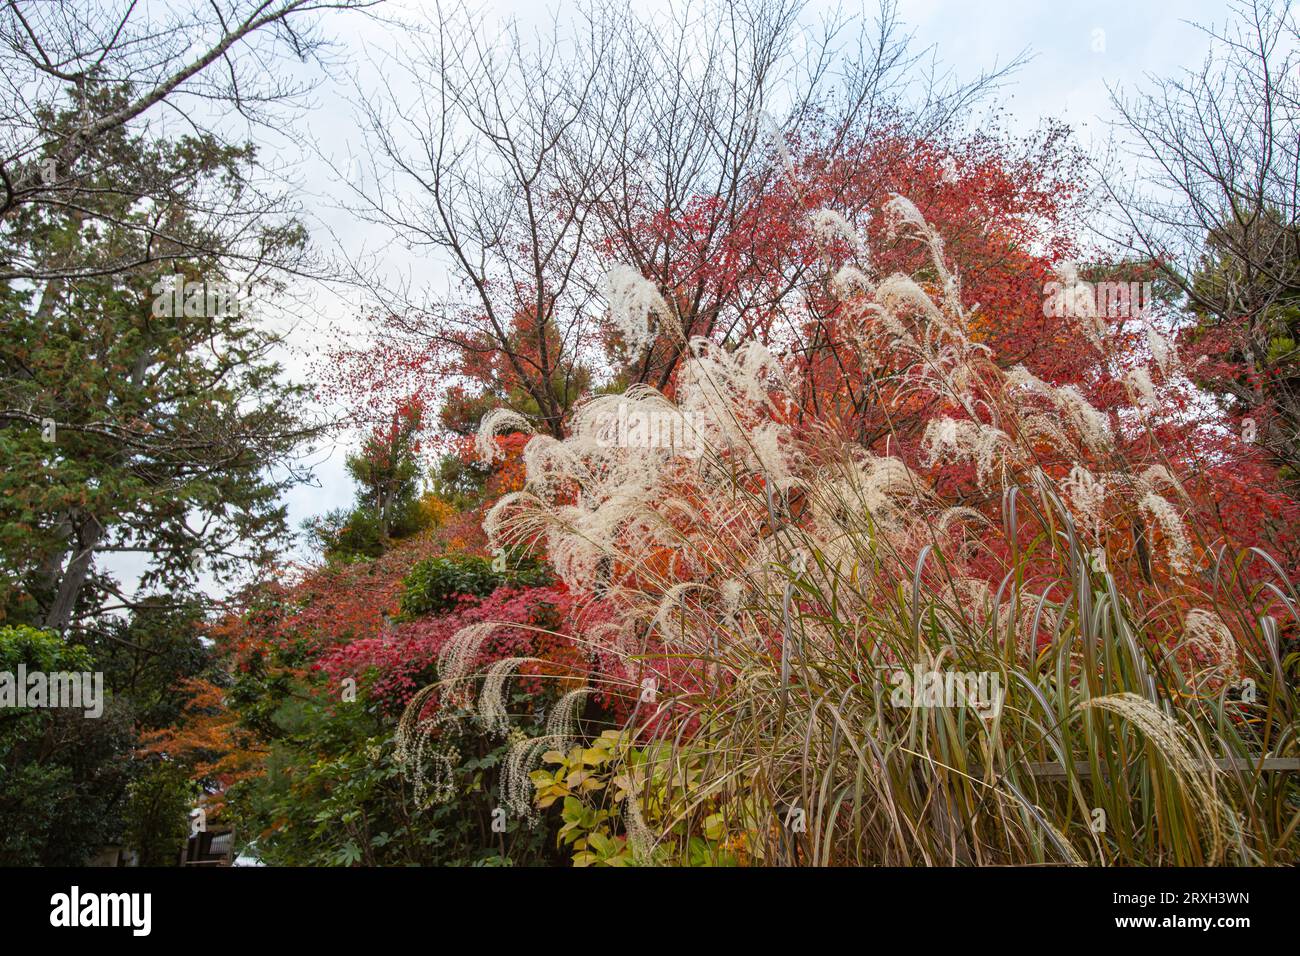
[
  {"x": 63, "y": 776},
  {"x": 347, "y": 534},
  {"x": 335, "y": 795},
  {"x": 157, "y": 812},
  {"x": 396, "y": 664},
  {"x": 441, "y": 584}
]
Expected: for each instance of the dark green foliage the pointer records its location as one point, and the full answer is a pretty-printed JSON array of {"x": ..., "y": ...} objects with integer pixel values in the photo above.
[
  {"x": 1250, "y": 315},
  {"x": 388, "y": 508},
  {"x": 349, "y": 535},
  {"x": 439, "y": 585},
  {"x": 386, "y": 467},
  {"x": 63, "y": 775},
  {"x": 144, "y": 657},
  {"x": 460, "y": 483},
  {"x": 163, "y": 422},
  {"x": 334, "y": 795},
  {"x": 157, "y": 812}
]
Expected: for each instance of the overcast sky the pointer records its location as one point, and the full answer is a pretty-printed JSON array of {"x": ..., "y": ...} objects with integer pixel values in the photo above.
[{"x": 1077, "y": 50}]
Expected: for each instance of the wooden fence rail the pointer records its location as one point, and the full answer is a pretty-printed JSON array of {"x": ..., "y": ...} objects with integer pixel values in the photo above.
[{"x": 1054, "y": 770}]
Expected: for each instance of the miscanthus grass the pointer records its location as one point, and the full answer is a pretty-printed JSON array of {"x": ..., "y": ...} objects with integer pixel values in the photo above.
[{"x": 780, "y": 590}]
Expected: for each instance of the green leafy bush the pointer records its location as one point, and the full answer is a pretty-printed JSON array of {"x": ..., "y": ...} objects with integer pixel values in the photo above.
[
  {"x": 40, "y": 650},
  {"x": 592, "y": 783},
  {"x": 439, "y": 585},
  {"x": 63, "y": 776},
  {"x": 335, "y": 794},
  {"x": 436, "y": 585},
  {"x": 157, "y": 812}
]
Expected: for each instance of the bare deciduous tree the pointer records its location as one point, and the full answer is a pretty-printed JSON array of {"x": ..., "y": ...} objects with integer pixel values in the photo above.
[
  {"x": 520, "y": 162},
  {"x": 73, "y": 72},
  {"x": 1218, "y": 203}
]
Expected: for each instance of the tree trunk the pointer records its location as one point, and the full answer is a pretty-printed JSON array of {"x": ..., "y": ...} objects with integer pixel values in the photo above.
[{"x": 74, "y": 576}]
